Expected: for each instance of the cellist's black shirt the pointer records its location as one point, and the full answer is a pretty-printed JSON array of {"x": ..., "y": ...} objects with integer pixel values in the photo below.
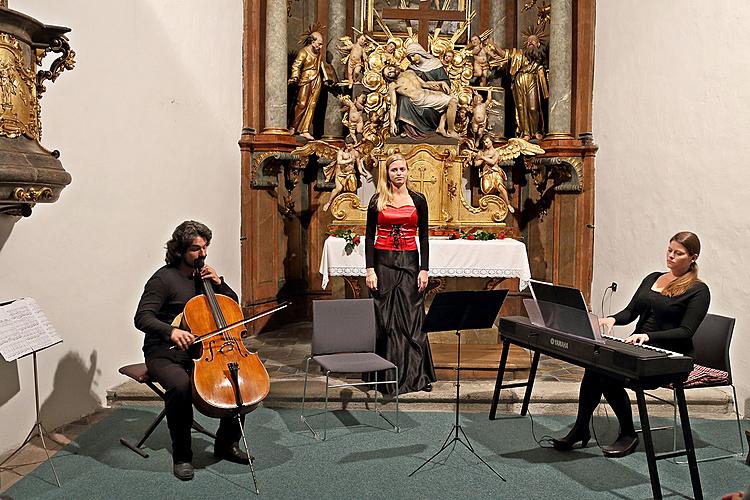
[{"x": 164, "y": 297}]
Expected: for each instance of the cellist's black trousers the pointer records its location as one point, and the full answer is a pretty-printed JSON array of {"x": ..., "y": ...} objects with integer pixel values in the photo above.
[{"x": 171, "y": 369}]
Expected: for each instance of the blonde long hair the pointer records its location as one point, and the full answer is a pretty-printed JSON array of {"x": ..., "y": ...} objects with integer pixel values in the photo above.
[
  {"x": 384, "y": 182},
  {"x": 681, "y": 285}
]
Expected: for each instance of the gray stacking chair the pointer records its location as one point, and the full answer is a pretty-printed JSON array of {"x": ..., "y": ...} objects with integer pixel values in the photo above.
[
  {"x": 343, "y": 342},
  {"x": 711, "y": 343}
]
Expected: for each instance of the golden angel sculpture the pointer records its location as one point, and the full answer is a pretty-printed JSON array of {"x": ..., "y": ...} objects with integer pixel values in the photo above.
[{"x": 489, "y": 158}]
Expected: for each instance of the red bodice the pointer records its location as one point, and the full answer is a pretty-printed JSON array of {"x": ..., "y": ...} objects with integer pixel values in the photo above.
[{"x": 397, "y": 228}]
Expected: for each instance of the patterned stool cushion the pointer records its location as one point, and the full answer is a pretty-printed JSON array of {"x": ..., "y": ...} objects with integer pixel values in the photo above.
[{"x": 702, "y": 376}]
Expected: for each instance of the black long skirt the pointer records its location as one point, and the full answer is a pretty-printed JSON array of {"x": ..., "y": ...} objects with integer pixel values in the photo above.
[{"x": 399, "y": 312}]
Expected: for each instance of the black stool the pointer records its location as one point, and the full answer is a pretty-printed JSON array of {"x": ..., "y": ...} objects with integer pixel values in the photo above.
[{"x": 139, "y": 373}]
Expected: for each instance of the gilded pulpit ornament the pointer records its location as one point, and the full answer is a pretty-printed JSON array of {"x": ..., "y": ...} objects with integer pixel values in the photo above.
[
  {"x": 18, "y": 99},
  {"x": 29, "y": 173}
]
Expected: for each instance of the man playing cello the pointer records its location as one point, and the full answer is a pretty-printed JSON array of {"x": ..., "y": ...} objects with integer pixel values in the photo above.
[{"x": 164, "y": 345}]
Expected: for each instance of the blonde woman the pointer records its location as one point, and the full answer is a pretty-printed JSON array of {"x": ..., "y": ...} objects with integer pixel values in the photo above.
[
  {"x": 397, "y": 274},
  {"x": 669, "y": 306}
]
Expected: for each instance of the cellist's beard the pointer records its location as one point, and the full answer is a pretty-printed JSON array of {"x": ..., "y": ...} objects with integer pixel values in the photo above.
[{"x": 198, "y": 263}]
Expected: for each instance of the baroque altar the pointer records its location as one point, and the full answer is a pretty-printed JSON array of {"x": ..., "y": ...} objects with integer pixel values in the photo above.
[{"x": 324, "y": 83}]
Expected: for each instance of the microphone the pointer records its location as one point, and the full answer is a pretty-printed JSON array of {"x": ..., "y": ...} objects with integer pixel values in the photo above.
[{"x": 612, "y": 287}]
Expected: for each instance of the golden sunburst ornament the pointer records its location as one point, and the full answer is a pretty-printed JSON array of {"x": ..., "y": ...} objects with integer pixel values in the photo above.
[{"x": 315, "y": 27}]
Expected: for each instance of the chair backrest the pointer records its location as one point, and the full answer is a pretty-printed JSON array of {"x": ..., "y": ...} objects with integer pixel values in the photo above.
[
  {"x": 346, "y": 325},
  {"x": 711, "y": 342}
]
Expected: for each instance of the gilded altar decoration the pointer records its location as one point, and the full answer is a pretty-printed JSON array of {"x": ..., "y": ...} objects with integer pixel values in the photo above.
[
  {"x": 19, "y": 106},
  {"x": 435, "y": 170}
]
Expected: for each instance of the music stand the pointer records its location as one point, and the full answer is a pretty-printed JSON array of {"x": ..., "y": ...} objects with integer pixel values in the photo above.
[
  {"x": 48, "y": 338},
  {"x": 458, "y": 311}
]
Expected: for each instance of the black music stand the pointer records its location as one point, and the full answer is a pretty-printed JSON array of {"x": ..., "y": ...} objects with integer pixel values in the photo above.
[{"x": 462, "y": 311}]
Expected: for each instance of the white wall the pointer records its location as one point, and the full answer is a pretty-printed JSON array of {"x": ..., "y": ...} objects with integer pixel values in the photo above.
[
  {"x": 671, "y": 117},
  {"x": 147, "y": 124}
]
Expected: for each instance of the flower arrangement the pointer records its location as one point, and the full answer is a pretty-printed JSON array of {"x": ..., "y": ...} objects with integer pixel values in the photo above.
[
  {"x": 352, "y": 239},
  {"x": 476, "y": 234}
]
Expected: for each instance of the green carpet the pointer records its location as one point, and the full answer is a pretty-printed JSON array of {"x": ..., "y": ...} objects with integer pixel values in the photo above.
[{"x": 363, "y": 459}]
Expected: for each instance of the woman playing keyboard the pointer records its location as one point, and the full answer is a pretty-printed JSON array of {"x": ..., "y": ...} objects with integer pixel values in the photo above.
[{"x": 669, "y": 307}]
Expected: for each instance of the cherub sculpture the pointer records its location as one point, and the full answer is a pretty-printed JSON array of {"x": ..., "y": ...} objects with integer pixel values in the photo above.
[
  {"x": 480, "y": 108},
  {"x": 353, "y": 114},
  {"x": 482, "y": 51},
  {"x": 354, "y": 57}
]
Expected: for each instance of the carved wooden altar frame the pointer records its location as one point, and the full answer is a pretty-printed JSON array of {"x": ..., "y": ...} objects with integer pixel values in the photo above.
[{"x": 282, "y": 231}]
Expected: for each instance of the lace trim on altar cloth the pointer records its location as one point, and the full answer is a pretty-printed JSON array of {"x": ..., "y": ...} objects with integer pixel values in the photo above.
[
  {"x": 438, "y": 272},
  {"x": 346, "y": 271}
]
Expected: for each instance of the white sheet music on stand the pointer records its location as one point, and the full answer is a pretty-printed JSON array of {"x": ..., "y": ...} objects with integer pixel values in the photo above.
[{"x": 24, "y": 329}]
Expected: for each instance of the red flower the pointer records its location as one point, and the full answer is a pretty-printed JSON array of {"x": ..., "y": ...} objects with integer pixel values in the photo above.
[
  {"x": 501, "y": 236},
  {"x": 355, "y": 240},
  {"x": 470, "y": 237}
]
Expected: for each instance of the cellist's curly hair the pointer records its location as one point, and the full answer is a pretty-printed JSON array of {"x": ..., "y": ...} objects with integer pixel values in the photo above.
[{"x": 182, "y": 238}]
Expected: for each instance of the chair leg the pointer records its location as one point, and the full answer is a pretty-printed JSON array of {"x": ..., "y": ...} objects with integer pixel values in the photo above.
[
  {"x": 304, "y": 395},
  {"x": 398, "y": 429},
  {"x": 138, "y": 448},
  {"x": 674, "y": 422},
  {"x": 739, "y": 453},
  {"x": 737, "y": 416},
  {"x": 325, "y": 410}
]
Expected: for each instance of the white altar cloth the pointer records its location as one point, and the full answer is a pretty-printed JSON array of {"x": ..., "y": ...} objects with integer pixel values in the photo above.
[{"x": 448, "y": 258}]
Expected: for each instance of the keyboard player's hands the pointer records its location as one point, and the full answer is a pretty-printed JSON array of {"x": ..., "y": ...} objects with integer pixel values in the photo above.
[
  {"x": 637, "y": 339},
  {"x": 607, "y": 323}
]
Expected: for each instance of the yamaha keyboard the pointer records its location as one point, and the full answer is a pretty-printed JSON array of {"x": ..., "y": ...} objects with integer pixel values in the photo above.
[
  {"x": 644, "y": 365},
  {"x": 638, "y": 367}
]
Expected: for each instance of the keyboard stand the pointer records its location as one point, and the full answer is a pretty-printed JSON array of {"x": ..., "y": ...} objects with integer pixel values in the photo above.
[{"x": 651, "y": 456}]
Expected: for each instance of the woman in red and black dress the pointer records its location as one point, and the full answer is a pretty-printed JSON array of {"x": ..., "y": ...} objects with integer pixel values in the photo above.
[{"x": 397, "y": 275}]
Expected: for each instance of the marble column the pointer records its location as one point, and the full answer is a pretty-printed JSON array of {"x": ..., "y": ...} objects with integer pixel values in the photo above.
[
  {"x": 276, "y": 66},
  {"x": 496, "y": 120},
  {"x": 333, "y": 128},
  {"x": 497, "y": 23},
  {"x": 561, "y": 68},
  {"x": 358, "y": 20}
]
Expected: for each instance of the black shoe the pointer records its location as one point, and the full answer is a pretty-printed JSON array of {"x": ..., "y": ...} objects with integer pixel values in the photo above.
[
  {"x": 427, "y": 388},
  {"x": 232, "y": 453},
  {"x": 624, "y": 446},
  {"x": 183, "y": 471},
  {"x": 567, "y": 443}
]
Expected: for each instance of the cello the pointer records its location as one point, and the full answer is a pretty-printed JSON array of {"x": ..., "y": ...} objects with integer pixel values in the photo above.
[{"x": 228, "y": 380}]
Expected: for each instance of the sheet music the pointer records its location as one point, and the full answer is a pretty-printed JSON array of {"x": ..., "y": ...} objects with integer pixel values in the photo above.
[{"x": 24, "y": 328}]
